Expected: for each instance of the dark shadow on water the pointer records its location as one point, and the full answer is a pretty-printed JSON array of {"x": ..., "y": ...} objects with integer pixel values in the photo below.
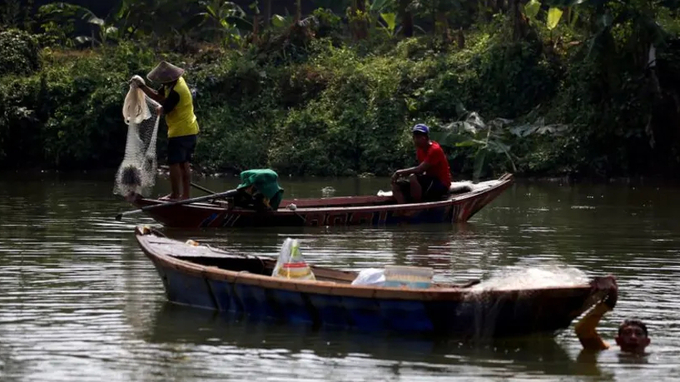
[
  {"x": 400, "y": 237},
  {"x": 539, "y": 354}
]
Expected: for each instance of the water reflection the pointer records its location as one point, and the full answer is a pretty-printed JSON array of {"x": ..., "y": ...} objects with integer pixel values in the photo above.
[
  {"x": 190, "y": 328},
  {"x": 80, "y": 302}
]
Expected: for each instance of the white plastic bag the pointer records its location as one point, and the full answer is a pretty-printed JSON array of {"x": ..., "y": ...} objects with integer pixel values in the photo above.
[
  {"x": 290, "y": 264},
  {"x": 371, "y": 276},
  {"x": 135, "y": 108}
]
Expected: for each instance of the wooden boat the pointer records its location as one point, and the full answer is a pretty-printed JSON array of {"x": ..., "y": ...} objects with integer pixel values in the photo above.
[
  {"x": 205, "y": 277},
  {"x": 465, "y": 200}
]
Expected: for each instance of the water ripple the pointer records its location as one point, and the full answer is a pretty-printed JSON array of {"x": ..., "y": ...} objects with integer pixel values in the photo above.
[{"x": 80, "y": 302}]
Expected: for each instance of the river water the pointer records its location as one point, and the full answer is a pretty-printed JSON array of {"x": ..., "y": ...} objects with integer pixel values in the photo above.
[{"x": 80, "y": 302}]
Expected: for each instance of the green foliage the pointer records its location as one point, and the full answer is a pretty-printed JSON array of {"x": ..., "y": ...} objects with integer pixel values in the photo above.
[
  {"x": 532, "y": 8},
  {"x": 496, "y": 78},
  {"x": 363, "y": 133},
  {"x": 390, "y": 23},
  {"x": 11, "y": 14},
  {"x": 69, "y": 114},
  {"x": 224, "y": 19},
  {"x": 60, "y": 23},
  {"x": 568, "y": 87},
  {"x": 19, "y": 52},
  {"x": 330, "y": 25},
  {"x": 554, "y": 16},
  {"x": 484, "y": 139}
]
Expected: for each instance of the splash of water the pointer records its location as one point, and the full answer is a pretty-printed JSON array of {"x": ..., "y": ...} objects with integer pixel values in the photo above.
[{"x": 550, "y": 276}]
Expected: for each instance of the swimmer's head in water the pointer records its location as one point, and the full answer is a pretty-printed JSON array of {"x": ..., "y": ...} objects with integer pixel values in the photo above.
[{"x": 633, "y": 336}]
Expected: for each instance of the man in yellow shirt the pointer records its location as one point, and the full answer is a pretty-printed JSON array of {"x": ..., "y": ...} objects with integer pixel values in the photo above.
[
  {"x": 176, "y": 103},
  {"x": 632, "y": 337}
]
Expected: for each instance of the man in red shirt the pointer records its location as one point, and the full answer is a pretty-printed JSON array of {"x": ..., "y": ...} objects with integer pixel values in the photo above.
[{"x": 431, "y": 179}]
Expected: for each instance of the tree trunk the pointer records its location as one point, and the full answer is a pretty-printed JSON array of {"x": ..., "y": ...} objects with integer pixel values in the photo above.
[
  {"x": 520, "y": 25},
  {"x": 443, "y": 24},
  {"x": 433, "y": 11},
  {"x": 361, "y": 5},
  {"x": 298, "y": 13},
  {"x": 440, "y": 22},
  {"x": 267, "y": 12},
  {"x": 406, "y": 18},
  {"x": 501, "y": 6},
  {"x": 358, "y": 20},
  {"x": 461, "y": 39},
  {"x": 256, "y": 27}
]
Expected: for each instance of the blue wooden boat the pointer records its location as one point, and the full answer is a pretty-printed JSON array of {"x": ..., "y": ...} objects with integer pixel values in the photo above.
[{"x": 210, "y": 278}]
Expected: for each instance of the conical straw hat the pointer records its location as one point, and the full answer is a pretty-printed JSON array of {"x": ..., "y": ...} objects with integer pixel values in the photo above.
[{"x": 165, "y": 72}]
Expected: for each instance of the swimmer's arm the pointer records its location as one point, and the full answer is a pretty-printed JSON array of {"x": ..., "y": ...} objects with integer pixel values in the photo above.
[{"x": 586, "y": 328}]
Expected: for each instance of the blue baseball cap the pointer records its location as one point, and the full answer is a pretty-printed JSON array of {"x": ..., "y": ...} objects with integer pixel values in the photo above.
[{"x": 421, "y": 128}]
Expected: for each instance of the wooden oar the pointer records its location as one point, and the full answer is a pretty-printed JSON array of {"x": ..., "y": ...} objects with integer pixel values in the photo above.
[
  {"x": 178, "y": 203},
  {"x": 207, "y": 191}
]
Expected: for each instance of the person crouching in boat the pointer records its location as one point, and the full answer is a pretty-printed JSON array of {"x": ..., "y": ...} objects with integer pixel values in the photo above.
[
  {"x": 431, "y": 179},
  {"x": 177, "y": 105},
  {"x": 632, "y": 335}
]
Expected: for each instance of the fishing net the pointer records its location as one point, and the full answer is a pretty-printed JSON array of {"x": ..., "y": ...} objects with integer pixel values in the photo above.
[{"x": 137, "y": 172}]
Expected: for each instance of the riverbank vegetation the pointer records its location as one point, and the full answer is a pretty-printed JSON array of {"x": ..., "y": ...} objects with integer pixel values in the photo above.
[{"x": 541, "y": 88}]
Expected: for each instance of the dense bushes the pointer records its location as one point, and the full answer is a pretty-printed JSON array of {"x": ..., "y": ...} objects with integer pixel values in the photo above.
[
  {"x": 326, "y": 108},
  {"x": 69, "y": 114},
  {"x": 19, "y": 52}
]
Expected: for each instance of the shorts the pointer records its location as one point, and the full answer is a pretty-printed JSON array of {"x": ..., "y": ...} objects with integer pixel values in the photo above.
[
  {"x": 432, "y": 188},
  {"x": 181, "y": 149}
]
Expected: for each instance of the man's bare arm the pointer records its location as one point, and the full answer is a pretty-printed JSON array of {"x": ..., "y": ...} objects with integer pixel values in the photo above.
[
  {"x": 421, "y": 168},
  {"x": 586, "y": 328},
  {"x": 153, "y": 94}
]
